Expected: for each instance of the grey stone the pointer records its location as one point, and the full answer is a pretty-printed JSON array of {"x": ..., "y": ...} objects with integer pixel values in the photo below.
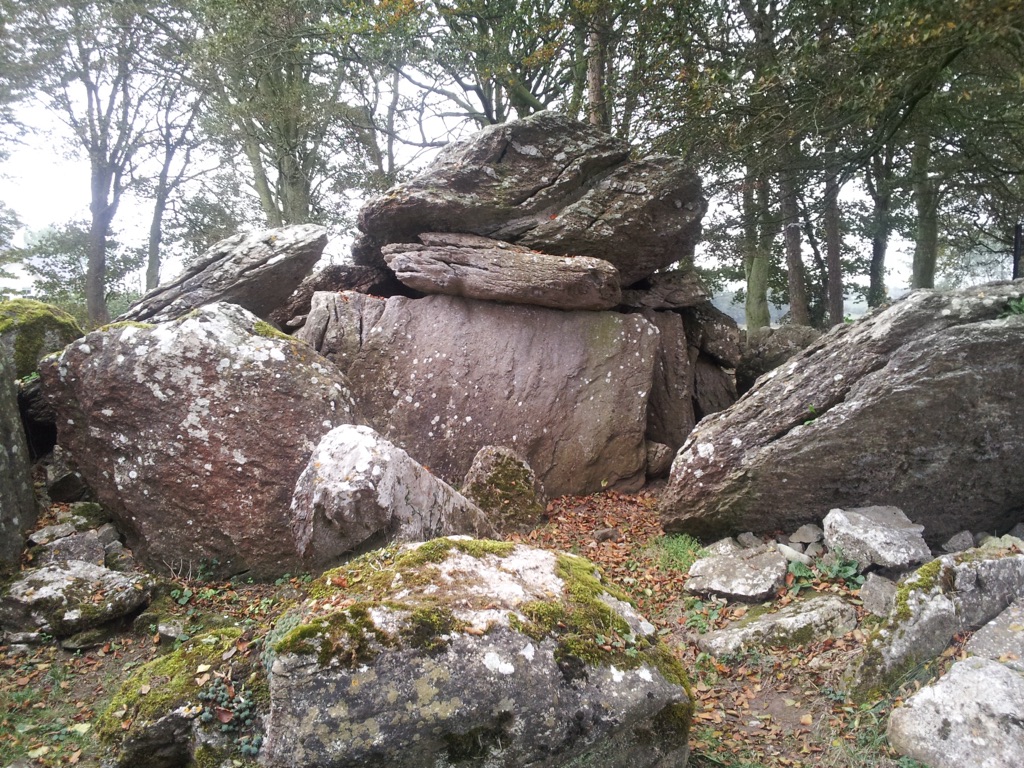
[
  {"x": 715, "y": 334},
  {"x": 117, "y": 558},
  {"x": 49, "y": 533},
  {"x": 30, "y": 330},
  {"x": 551, "y": 184},
  {"x": 768, "y": 348},
  {"x": 670, "y": 408},
  {"x": 659, "y": 459},
  {"x": 814, "y": 550},
  {"x": 980, "y": 536},
  {"x": 673, "y": 289},
  {"x": 474, "y": 267},
  {"x": 192, "y": 434},
  {"x": 65, "y": 599},
  {"x": 1002, "y": 639},
  {"x": 86, "y": 547},
  {"x": 973, "y": 716},
  {"x": 726, "y": 546},
  {"x": 486, "y": 683},
  {"x": 257, "y": 271},
  {"x": 107, "y": 534},
  {"x": 946, "y": 596},
  {"x": 878, "y": 594},
  {"x": 798, "y": 623},
  {"x": 17, "y": 498},
  {"x": 768, "y": 464},
  {"x": 809, "y": 533},
  {"x": 504, "y": 486},
  {"x": 714, "y": 389},
  {"x": 335, "y": 278},
  {"x": 358, "y": 488},
  {"x": 959, "y": 542},
  {"x": 794, "y": 555},
  {"x": 64, "y": 483},
  {"x": 747, "y": 540},
  {"x": 1017, "y": 531},
  {"x": 442, "y": 377},
  {"x": 881, "y": 536},
  {"x": 750, "y": 574}
]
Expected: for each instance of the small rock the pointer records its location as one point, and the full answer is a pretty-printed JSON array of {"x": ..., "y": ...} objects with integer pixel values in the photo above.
[
  {"x": 607, "y": 534},
  {"x": 107, "y": 534},
  {"x": 749, "y": 541},
  {"x": 659, "y": 459},
  {"x": 1002, "y": 639},
  {"x": 815, "y": 550},
  {"x": 959, "y": 542},
  {"x": 794, "y": 555},
  {"x": 78, "y": 546},
  {"x": 750, "y": 574},
  {"x": 50, "y": 533},
  {"x": 878, "y": 594},
  {"x": 876, "y": 536},
  {"x": 117, "y": 557},
  {"x": 807, "y": 534},
  {"x": 796, "y": 624},
  {"x": 1017, "y": 531},
  {"x": 725, "y": 546}
]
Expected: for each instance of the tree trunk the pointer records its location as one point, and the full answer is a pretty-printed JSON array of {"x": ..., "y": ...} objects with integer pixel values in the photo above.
[
  {"x": 262, "y": 184},
  {"x": 799, "y": 310},
  {"x": 878, "y": 183},
  {"x": 833, "y": 250},
  {"x": 102, "y": 209},
  {"x": 756, "y": 255},
  {"x": 597, "y": 97},
  {"x": 926, "y": 203}
]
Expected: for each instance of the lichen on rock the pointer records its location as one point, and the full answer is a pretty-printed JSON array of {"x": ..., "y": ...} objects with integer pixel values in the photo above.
[
  {"x": 414, "y": 654},
  {"x": 31, "y": 330}
]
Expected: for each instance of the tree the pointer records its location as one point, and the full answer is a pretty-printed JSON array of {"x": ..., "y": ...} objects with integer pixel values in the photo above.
[{"x": 95, "y": 75}]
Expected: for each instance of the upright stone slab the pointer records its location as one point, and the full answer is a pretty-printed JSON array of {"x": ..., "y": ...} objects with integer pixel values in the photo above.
[
  {"x": 442, "y": 377},
  {"x": 17, "y": 499}
]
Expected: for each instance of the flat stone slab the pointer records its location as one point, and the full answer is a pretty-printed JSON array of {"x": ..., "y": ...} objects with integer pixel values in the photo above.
[
  {"x": 973, "y": 716},
  {"x": 876, "y": 536},
  {"x": 796, "y": 624},
  {"x": 749, "y": 574},
  {"x": 1002, "y": 639}
]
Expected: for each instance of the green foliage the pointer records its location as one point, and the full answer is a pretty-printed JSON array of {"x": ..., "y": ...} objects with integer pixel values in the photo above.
[
  {"x": 1014, "y": 307},
  {"x": 679, "y": 551}
]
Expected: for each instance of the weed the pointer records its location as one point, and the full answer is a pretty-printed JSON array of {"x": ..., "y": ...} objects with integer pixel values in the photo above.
[
  {"x": 1014, "y": 307},
  {"x": 703, "y": 616},
  {"x": 678, "y": 552},
  {"x": 812, "y": 413}
]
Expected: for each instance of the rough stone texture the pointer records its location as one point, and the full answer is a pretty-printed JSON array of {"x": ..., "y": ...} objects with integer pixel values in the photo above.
[
  {"x": 406, "y": 690},
  {"x": 504, "y": 486},
  {"x": 768, "y": 348},
  {"x": 714, "y": 333},
  {"x": 973, "y": 716},
  {"x": 793, "y": 555},
  {"x": 659, "y": 459},
  {"x": 749, "y": 574},
  {"x": 878, "y": 594},
  {"x": 17, "y": 498},
  {"x": 64, "y": 482},
  {"x": 442, "y": 377},
  {"x": 257, "y": 271},
  {"x": 796, "y": 624},
  {"x": 85, "y": 547},
  {"x": 376, "y": 281},
  {"x": 943, "y": 597},
  {"x": 193, "y": 434},
  {"x": 62, "y": 600},
  {"x": 475, "y": 267},
  {"x": 959, "y": 542},
  {"x": 1002, "y": 639},
  {"x": 673, "y": 289},
  {"x": 31, "y": 330},
  {"x": 807, "y": 534},
  {"x": 876, "y": 536},
  {"x": 358, "y": 490},
  {"x": 714, "y": 388},
  {"x": 670, "y": 409},
  {"x": 551, "y": 184},
  {"x": 946, "y": 367}
]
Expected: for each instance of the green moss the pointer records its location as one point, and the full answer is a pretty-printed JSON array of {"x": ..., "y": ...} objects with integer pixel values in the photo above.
[
  {"x": 923, "y": 579},
  {"x": 348, "y": 635},
  {"x": 507, "y": 495},
  {"x": 437, "y": 550},
  {"x": 675, "y": 720},
  {"x": 125, "y": 324},
  {"x": 169, "y": 682},
  {"x": 263, "y": 328},
  {"x": 36, "y": 330},
  {"x": 428, "y": 627}
]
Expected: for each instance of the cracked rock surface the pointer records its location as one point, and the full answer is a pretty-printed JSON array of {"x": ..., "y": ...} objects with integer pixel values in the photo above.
[{"x": 818, "y": 432}]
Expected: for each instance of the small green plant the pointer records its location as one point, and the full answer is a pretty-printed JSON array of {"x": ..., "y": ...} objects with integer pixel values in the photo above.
[
  {"x": 703, "y": 616},
  {"x": 678, "y": 552},
  {"x": 838, "y": 568},
  {"x": 1013, "y": 307},
  {"x": 181, "y": 596},
  {"x": 813, "y": 413}
]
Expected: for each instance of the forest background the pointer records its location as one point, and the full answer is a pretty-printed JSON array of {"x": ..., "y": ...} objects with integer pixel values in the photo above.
[{"x": 825, "y": 130}]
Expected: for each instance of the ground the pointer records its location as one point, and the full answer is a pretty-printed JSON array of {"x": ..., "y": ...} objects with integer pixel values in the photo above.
[{"x": 776, "y": 707}]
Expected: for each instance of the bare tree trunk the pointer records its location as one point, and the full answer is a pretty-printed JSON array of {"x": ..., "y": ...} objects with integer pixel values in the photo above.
[
  {"x": 262, "y": 184},
  {"x": 926, "y": 203},
  {"x": 597, "y": 97},
  {"x": 799, "y": 310},
  {"x": 878, "y": 183},
  {"x": 756, "y": 254},
  {"x": 833, "y": 250},
  {"x": 102, "y": 209}
]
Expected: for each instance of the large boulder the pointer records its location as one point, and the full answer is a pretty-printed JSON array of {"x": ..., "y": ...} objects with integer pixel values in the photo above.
[
  {"x": 477, "y": 267},
  {"x": 193, "y": 433},
  {"x": 882, "y": 536},
  {"x": 31, "y": 330},
  {"x": 914, "y": 406},
  {"x": 257, "y": 271},
  {"x": 767, "y": 348},
  {"x": 442, "y": 377},
  {"x": 476, "y": 652},
  {"x": 358, "y": 489},
  {"x": 671, "y": 413},
  {"x": 17, "y": 498},
  {"x": 551, "y": 184}
]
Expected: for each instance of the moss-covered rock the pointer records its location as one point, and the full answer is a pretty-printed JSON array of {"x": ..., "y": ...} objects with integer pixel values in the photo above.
[
  {"x": 502, "y": 484},
  {"x": 31, "y": 330},
  {"x": 462, "y": 649}
]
